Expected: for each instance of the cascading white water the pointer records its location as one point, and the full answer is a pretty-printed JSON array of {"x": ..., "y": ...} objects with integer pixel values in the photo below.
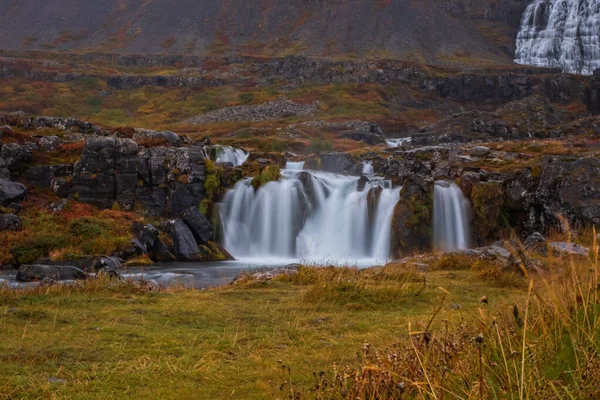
[
  {"x": 228, "y": 154},
  {"x": 398, "y": 142},
  {"x": 451, "y": 218},
  {"x": 310, "y": 216},
  {"x": 367, "y": 168},
  {"x": 561, "y": 34}
]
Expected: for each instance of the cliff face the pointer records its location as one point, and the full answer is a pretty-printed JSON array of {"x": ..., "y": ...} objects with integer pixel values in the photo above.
[{"x": 424, "y": 30}]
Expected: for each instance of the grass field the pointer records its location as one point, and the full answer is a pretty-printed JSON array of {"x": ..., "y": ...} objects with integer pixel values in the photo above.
[{"x": 98, "y": 342}]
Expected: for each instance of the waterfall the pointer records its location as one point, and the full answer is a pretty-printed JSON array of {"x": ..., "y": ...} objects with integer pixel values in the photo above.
[
  {"x": 451, "y": 218},
  {"x": 228, "y": 154},
  {"x": 398, "y": 142},
  {"x": 310, "y": 216},
  {"x": 367, "y": 168},
  {"x": 295, "y": 166},
  {"x": 561, "y": 34}
]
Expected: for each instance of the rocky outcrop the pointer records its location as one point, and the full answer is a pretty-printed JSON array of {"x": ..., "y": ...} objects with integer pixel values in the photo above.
[
  {"x": 63, "y": 124},
  {"x": 44, "y": 175},
  {"x": 165, "y": 180}
]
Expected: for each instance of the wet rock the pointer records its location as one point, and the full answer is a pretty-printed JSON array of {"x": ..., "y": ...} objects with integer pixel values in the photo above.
[
  {"x": 198, "y": 224},
  {"x": 36, "y": 273},
  {"x": 10, "y": 222},
  {"x": 340, "y": 163},
  {"x": 97, "y": 263},
  {"x": 11, "y": 192},
  {"x": 184, "y": 243},
  {"x": 564, "y": 248}
]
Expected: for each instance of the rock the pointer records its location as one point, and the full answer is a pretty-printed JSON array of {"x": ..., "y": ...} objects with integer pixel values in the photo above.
[
  {"x": 171, "y": 138},
  {"x": 62, "y": 187},
  {"x": 369, "y": 138},
  {"x": 198, "y": 224},
  {"x": 14, "y": 156},
  {"x": 480, "y": 151},
  {"x": 15, "y": 207},
  {"x": 562, "y": 248},
  {"x": 49, "y": 143},
  {"x": 10, "y": 222},
  {"x": 495, "y": 252},
  {"x": 11, "y": 192},
  {"x": 59, "y": 205},
  {"x": 266, "y": 275},
  {"x": 340, "y": 163},
  {"x": 109, "y": 273},
  {"x": 184, "y": 244},
  {"x": 534, "y": 240},
  {"x": 145, "y": 236},
  {"x": 43, "y": 175},
  {"x": 36, "y": 273},
  {"x": 97, "y": 263}
]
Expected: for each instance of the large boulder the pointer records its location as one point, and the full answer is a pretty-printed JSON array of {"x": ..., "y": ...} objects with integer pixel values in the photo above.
[
  {"x": 100, "y": 262},
  {"x": 198, "y": 224},
  {"x": 37, "y": 273},
  {"x": 184, "y": 243},
  {"x": 340, "y": 163},
  {"x": 14, "y": 156},
  {"x": 10, "y": 222},
  {"x": 43, "y": 175},
  {"x": 11, "y": 192}
]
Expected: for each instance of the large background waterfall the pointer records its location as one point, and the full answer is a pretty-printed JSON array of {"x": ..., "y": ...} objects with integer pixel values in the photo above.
[
  {"x": 310, "y": 216},
  {"x": 451, "y": 218},
  {"x": 561, "y": 34}
]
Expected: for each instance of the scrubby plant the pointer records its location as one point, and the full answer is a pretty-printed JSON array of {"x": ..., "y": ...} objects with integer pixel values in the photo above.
[{"x": 269, "y": 174}]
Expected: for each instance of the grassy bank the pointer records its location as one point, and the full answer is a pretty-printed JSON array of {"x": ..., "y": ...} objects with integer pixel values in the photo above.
[{"x": 106, "y": 341}]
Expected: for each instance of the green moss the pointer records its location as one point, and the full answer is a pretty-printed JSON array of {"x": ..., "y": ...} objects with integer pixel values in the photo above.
[
  {"x": 270, "y": 173},
  {"x": 487, "y": 200}
]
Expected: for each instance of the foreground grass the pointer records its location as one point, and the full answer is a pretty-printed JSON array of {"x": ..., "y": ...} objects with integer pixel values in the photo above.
[{"x": 229, "y": 342}]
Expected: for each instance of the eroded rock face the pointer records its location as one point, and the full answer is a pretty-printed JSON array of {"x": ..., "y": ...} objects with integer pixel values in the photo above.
[{"x": 165, "y": 180}]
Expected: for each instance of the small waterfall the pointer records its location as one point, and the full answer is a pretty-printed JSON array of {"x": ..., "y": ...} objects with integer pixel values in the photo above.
[
  {"x": 398, "y": 142},
  {"x": 310, "y": 216},
  {"x": 451, "y": 218},
  {"x": 295, "y": 166},
  {"x": 223, "y": 154},
  {"x": 561, "y": 34},
  {"x": 367, "y": 168}
]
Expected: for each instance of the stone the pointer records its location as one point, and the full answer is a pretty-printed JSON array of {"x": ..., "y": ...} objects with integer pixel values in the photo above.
[
  {"x": 14, "y": 156},
  {"x": 480, "y": 151},
  {"x": 97, "y": 263},
  {"x": 10, "y": 222},
  {"x": 534, "y": 240},
  {"x": 11, "y": 192},
  {"x": 495, "y": 252},
  {"x": 59, "y": 205},
  {"x": 340, "y": 163},
  {"x": 49, "y": 143},
  {"x": 198, "y": 224},
  {"x": 184, "y": 243},
  {"x": 43, "y": 175},
  {"x": 562, "y": 248},
  {"x": 37, "y": 273}
]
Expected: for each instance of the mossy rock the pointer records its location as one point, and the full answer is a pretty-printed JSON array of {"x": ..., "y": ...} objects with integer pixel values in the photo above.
[
  {"x": 489, "y": 217},
  {"x": 270, "y": 173},
  {"x": 412, "y": 224}
]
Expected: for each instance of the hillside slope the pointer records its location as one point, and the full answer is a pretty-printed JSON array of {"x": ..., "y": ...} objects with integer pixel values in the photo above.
[{"x": 421, "y": 30}]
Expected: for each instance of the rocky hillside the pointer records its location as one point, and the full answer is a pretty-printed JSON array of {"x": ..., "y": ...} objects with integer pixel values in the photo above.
[{"x": 427, "y": 30}]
